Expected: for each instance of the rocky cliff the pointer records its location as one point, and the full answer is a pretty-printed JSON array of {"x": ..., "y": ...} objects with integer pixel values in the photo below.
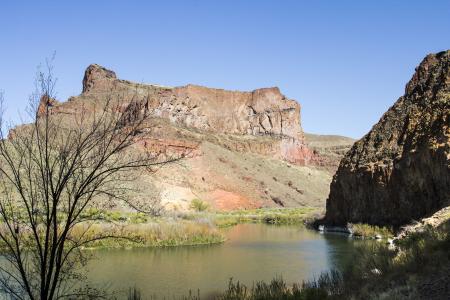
[
  {"x": 241, "y": 149},
  {"x": 262, "y": 112},
  {"x": 400, "y": 170}
]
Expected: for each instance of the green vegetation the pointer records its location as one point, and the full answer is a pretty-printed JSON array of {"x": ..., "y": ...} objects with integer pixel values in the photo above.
[
  {"x": 134, "y": 294},
  {"x": 370, "y": 231},
  {"x": 135, "y": 229},
  {"x": 131, "y": 229},
  {"x": 163, "y": 233},
  {"x": 199, "y": 205},
  {"x": 276, "y": 289},
  {"x": 277, "y": 216},
  {"x": 416, "y": 269},
  {"x": 115, "y": 216}
]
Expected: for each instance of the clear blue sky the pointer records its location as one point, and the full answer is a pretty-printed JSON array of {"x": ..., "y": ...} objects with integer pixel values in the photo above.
[{"x": 346, "y": 62}]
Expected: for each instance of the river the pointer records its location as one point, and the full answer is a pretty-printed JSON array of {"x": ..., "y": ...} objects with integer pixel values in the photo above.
[{"x": 252, "y": 252}]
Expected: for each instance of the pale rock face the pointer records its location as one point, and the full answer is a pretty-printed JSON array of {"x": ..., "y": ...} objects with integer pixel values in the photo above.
[
  {"x": 400, "y": 170},
  {"x": 262, "y": 112}
]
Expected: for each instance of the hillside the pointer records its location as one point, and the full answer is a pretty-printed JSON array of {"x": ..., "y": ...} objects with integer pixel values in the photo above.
[
  {"x": 241, "y": 149},
  {"x": 330, "y": 148}
]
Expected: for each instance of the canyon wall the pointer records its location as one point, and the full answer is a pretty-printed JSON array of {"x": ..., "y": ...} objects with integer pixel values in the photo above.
[
  {"x": 400, "y": 170},
  {"x": 261, "y": 113},
  {"x": 241, "y": 150}
]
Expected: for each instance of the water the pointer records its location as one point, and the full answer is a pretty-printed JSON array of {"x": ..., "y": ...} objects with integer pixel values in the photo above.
[{"x": 252, "y": 252}]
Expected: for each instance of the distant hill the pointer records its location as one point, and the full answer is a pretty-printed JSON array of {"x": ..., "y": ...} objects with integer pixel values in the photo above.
[
  {"x": 330, "y": 148},
  {"x": 327, "y": 141}
]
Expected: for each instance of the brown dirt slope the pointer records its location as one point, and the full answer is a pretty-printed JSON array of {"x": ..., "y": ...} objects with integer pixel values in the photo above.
[{"x": 242, "y": 149}]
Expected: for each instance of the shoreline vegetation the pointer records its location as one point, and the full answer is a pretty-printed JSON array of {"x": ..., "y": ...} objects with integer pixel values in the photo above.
[
  {"x": 134, "y": 230},
  {"x": 417, "y": 268},
  {"x": 194, "y": 228}
]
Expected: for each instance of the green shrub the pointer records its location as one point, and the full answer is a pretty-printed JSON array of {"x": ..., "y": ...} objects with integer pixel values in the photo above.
[{"x": 199, "y": 205}]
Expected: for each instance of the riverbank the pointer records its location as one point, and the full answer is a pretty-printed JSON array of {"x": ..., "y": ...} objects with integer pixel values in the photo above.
[
  {"x": 131, "y": 230},
  {"x": 360, "y": 231},
  {"x": 156, "y": 233},
  {"x": 418, "y": 267},
  {"x": 274, "y": 216},
  {"x": 253, "y": 252}
]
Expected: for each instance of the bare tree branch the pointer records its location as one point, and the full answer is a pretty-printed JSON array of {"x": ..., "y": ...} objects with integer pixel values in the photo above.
[{"x": 51, "y": 172}]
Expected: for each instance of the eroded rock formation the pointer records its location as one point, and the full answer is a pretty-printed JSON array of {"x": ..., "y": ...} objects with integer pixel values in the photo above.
[
  {"x": 262, "y": 112},
  {"x": 225, "y": 137},
  {"x": 400, "y": 170}
]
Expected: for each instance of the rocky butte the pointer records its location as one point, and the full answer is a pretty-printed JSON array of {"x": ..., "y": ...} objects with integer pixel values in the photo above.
[
  {"x": 241, "y": 149},
  {"x": 262, "y": 112},
  {"x": 400, "y": 170}
]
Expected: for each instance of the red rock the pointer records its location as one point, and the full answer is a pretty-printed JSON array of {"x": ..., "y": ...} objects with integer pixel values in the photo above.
[
  {"x": 262, "y": 112},
  {"x": 45, "y": 102}
]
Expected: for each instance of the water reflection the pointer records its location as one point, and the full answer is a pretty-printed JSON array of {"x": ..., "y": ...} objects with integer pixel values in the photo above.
[{"x": 253, "y": 252}]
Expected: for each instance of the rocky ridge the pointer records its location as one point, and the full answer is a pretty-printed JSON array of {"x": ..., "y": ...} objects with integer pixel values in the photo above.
[
  {"x": 262, "y": 112},
  {"x": 400, "y": 170},
  {"x": 242, "y": 149}
]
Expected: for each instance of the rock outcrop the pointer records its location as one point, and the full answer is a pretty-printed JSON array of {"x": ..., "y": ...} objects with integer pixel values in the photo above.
[
  {"x": 400, "y": 170},
  {"x": 262, "y": 112},
  {"x": 240, "y": 150}
]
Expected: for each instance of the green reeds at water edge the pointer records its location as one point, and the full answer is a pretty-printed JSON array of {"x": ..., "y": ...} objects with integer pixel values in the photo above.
[{"x": 417, "y": 268}]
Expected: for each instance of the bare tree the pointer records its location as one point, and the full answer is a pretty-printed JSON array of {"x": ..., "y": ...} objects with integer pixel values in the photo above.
[{"x": 51, "y": 171}]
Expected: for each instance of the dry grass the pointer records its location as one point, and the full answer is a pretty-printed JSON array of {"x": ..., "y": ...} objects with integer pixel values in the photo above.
[
  {"x": 276, "y": 216},
  {"x": 371, "y": 231},
  {"x": 164, "y": 233}
]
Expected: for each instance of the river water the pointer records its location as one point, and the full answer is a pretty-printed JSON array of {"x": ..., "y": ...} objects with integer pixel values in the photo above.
[{"x": 252, "y": 252}]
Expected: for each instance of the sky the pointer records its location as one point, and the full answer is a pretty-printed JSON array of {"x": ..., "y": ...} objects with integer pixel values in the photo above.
[{"x": 345, "y": 62}]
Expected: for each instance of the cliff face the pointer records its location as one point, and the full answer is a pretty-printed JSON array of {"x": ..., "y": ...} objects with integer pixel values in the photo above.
[
  {"x": 241, "y": 149},
  {"x": 400, "y": 170},
  {"x": 262, "y": 112}
]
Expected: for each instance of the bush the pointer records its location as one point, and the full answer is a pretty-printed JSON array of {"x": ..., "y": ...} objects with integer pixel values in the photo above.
[{"x": 199, "y": 205}]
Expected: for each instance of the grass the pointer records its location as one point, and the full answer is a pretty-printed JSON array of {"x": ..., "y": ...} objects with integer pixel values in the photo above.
[
  {"x": 419, "y": 258},
  {"x": 134, "y": 294},
  {"x": 115, "y": 216},
  {"x": 270, "y": 216},
  {"x": 199, "y": 228},
  {"x": 370, "y": 231},
  {"x": 416, "y": 269},
  {"x": 164, "y": 233},
  {"x": 276, "y": 216},
  {"x": 131, "y": 229}
]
